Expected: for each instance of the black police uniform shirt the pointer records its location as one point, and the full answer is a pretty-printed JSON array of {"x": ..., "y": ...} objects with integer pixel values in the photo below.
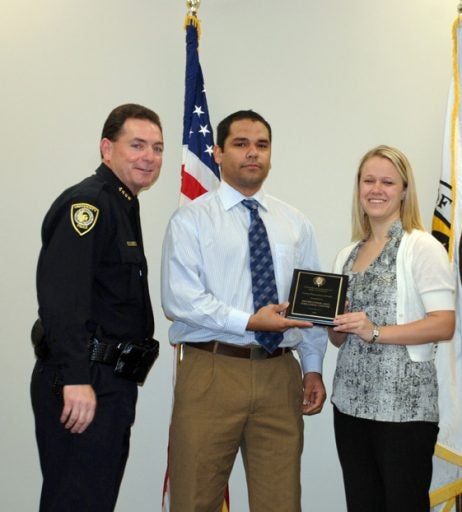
[{"x": 92, "y": 273}]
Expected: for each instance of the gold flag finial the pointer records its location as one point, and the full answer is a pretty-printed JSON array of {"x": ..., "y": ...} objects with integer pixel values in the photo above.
[{"x": 193, "y": 6}]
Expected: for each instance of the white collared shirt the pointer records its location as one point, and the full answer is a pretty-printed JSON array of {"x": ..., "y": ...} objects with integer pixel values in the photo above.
[{"x": 206, "y": 281}]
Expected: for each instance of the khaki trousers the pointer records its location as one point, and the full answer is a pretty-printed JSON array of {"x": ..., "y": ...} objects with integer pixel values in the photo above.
[{"x": 225, "y": 403}]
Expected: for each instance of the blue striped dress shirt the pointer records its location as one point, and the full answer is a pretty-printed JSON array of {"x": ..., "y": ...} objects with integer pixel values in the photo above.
[{"x": 206, "y": 281}]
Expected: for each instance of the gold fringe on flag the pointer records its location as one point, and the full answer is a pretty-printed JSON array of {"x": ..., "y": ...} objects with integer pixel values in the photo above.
[
  {"x": 192, "y": 19},
  {"x": 455, "y": 111}
]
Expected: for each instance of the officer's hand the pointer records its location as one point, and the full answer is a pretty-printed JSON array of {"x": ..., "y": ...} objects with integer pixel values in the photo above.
[{"x": 79, "y": 407}]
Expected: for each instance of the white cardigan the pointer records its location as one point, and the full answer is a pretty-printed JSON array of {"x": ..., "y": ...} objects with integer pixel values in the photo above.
[{"x": 425, "y": 282}]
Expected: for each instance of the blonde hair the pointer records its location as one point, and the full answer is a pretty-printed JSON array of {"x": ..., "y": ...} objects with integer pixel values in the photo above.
[{"x": 409, "y": 211}]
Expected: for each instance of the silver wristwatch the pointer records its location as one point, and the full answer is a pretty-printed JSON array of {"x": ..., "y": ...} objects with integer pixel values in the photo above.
[{"x": 375, "y": 333}]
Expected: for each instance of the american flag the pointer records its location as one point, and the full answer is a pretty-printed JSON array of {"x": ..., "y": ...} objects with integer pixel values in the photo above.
[{"x": 199, "y": 172}]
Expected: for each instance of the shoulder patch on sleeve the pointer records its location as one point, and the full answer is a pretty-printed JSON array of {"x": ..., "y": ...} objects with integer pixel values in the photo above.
[{"x": 83, "y": 217}]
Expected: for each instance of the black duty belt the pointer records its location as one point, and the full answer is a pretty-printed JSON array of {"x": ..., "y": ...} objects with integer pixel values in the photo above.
[
  {"x": 226, "y": 349},
  {"x": 131, "y": 360},
  {"x": 107, "y": 353}
]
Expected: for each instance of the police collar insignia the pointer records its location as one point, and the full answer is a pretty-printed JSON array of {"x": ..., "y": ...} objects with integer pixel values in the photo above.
[
  {"x": 83, "y": 217},
  {"x": 125, "y": 194}
]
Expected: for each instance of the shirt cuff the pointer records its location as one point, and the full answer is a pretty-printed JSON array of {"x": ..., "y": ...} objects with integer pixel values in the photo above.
[
  {"x": 76, "y": 373},
  {"x": 311, "y": 363},
  {"x": 237, "y": 322}
]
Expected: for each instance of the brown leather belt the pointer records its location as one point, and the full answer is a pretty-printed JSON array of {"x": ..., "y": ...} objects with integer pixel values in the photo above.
[{"x": 224, "y": 349}]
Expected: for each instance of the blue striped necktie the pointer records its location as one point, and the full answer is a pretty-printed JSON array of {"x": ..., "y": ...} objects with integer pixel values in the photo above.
[{"x": 262, "y": 270}]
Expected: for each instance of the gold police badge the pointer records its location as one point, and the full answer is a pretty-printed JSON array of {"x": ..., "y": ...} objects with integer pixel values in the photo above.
[{"x": 83, "y": 217}]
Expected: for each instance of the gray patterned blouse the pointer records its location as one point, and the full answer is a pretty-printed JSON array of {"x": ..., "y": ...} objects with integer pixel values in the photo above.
[{"x": 380, "y": 382}]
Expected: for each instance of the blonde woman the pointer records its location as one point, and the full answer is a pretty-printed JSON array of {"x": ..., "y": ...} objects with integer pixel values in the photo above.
[{"x": 400, "y": 304}]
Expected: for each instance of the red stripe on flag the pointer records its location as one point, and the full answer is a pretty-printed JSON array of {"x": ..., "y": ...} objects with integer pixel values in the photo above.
[{"x": 190, "y": 187}]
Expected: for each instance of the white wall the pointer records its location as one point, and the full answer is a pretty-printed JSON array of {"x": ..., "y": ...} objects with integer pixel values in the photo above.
[{"x": 333, "y": 77}]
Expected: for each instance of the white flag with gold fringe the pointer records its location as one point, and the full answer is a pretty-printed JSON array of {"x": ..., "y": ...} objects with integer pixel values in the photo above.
[{"x": 446, "y": 226}]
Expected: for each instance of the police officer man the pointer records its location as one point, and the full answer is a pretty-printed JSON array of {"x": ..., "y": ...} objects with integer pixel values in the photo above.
[{"x": 96, "y": 319}]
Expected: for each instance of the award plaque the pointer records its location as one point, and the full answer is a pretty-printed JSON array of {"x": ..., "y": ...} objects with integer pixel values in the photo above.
[{"x": 317, "y": 297}]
